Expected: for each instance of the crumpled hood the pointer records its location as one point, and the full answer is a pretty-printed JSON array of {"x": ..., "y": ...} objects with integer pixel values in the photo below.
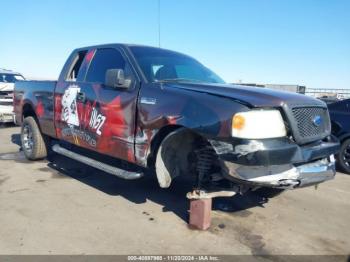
[
  {"x": 7, "y": 86},
  {"x": 252, "y": 96}
]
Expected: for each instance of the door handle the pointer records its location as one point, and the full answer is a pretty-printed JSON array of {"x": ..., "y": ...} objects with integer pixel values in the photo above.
[{"x": 81, "y": 97}]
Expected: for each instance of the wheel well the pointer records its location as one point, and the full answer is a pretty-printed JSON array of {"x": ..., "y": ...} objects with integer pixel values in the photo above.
[
  {"x": 188, "y": 134},
  {"x": 344, "y": 137},
  {"x": 28, "y": 111},
  {"x": 175, "y": 154},
  {"x": 157, "y": 140}
]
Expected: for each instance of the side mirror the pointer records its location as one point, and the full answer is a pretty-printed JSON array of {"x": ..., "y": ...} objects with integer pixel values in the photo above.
[{"x": 115, "y": 78}]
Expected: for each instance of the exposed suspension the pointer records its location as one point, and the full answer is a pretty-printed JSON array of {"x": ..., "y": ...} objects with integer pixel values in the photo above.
[{"x": 205, "y": 160}]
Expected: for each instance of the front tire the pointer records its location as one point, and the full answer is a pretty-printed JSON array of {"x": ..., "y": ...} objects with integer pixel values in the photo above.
[
  {"x": 34, "y": 143},
  {"x": 343, "y": 158}
]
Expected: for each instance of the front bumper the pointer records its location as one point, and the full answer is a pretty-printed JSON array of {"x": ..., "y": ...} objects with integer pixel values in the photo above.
[
  {"x": 6, "y": 114},
  {"x": 285, "y": 176},
  {"x": 7, "y": 118},
  {"x": 277, "y": 163}
]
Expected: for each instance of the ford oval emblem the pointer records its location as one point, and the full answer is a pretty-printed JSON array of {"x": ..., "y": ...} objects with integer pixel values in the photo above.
[{"x": 317, "y": 121}]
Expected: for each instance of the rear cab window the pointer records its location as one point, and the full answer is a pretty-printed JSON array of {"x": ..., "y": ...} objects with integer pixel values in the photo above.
[{"x": 75, "y": 73}]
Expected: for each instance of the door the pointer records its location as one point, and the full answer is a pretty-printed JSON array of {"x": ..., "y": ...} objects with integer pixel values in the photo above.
[{"x": 94, "y": 116}]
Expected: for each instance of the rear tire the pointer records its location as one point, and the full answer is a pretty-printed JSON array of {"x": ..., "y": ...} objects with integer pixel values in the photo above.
[
  {"x": 343, "y": 158},
  {"x": 34, "y": 143}
]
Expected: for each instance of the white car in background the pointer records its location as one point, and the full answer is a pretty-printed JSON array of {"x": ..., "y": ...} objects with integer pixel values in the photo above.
[{"x": 7, "y": 84}]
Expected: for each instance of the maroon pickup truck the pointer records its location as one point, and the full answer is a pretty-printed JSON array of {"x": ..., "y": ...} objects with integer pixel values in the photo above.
[{"x": 164, "y": 111}]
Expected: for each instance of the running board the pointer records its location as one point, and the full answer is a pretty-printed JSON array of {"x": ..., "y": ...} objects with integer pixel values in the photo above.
[{"x": 97, "y": 164}]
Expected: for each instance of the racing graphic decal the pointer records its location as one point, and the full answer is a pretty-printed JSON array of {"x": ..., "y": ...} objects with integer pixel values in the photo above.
[
  {"x": 99, "y": 123},
  {"x": 80, "y": 134},
  {"x": 40, "y": 111},
  {"x": 69, "y": 106},
  {"x": 84, "y": 121}
]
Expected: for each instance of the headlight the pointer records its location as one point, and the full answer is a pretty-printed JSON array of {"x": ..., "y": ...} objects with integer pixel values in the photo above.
[{"x": 258, "y": 124}]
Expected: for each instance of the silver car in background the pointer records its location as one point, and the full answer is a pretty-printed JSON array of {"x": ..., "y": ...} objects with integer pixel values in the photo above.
[{"x": 7, "y": 83}]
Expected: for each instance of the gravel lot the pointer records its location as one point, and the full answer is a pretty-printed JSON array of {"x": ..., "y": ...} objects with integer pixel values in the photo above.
[{"x": 62, "y": 207}]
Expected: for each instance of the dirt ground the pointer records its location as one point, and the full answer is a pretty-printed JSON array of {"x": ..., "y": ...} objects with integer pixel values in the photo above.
[{"x": 63, "y": 207}]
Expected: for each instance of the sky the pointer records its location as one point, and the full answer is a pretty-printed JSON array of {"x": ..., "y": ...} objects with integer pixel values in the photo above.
[{"x": 304, "y": 42}]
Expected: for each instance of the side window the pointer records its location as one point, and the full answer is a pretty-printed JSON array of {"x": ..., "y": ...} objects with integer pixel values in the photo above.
[
  {"x": 155, "y": 69},
  {"x": 75, "y": 67},
  {"x": 103, "y": 60}
]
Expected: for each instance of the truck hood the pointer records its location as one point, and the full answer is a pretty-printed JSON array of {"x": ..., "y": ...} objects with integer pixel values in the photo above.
[
  {"x": 252, "y": 96},
  {"x": 6, "y": 86}
]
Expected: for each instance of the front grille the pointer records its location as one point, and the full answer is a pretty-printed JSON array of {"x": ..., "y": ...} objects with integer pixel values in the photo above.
[
  {"x": 310, "y": 123},
  {"x": 6, "y": 103},
  {"x": 6, "y": 95},
  {"x": 6, "y": 98}
]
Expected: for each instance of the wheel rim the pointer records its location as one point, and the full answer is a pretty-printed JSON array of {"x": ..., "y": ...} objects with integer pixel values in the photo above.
[
  {"x": 346, "y": 156},
  {"x": 27, "y": 139}
]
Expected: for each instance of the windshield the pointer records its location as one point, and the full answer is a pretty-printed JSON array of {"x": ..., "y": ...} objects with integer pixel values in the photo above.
[
  {"x": 10, "y": 78},
  {"x": 159, "y": 65}
]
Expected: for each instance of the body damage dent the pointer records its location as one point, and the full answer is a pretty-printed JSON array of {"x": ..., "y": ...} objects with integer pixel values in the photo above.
[
  {"x": 251, "y": 147},
  {"x": 221, "y": 147},
  {"x": 281, "y": 176},
  {"x": 147, "y": 132},
  {"x": 241, "y": 150}
]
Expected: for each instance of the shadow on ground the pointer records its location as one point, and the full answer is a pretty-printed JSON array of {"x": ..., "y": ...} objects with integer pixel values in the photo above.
[
  {"x": 139, "y": 191},
  {"x": 147, "y": 188},
  {"x": 7, "y": 125},
  {"x": 16, "y": 139}
]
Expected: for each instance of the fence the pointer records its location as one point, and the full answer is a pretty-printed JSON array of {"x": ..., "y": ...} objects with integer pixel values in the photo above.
[{"x": 328, "y": 92}]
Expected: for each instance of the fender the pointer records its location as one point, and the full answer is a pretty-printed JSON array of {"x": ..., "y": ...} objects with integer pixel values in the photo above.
[{"x": 162, "y": 106}]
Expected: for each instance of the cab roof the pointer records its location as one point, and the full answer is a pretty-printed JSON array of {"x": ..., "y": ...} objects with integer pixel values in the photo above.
[
  {"x": 121, "y": 45},
  {"x": 10, "y": 72}
]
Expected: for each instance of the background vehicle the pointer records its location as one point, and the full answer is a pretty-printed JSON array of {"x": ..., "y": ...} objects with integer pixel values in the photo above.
[
  {"x": 7, "y": 81},
  {"x": 163, "y": 110},
  {"x": 340, "y": 117},
  {"x": 329, "y": 99}
]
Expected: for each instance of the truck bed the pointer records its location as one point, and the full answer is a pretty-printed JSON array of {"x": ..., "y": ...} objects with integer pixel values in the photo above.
[{"x": 40, "y": 95}]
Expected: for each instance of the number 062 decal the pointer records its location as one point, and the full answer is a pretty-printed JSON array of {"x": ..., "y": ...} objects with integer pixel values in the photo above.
[{"x": 96, "y": 121}]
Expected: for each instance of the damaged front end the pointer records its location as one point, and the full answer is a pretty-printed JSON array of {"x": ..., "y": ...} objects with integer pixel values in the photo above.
[
  {"x": 288, "y": 147},
  {"x": 277, "y": 163},
  {"x": 284, "y": 176}
]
